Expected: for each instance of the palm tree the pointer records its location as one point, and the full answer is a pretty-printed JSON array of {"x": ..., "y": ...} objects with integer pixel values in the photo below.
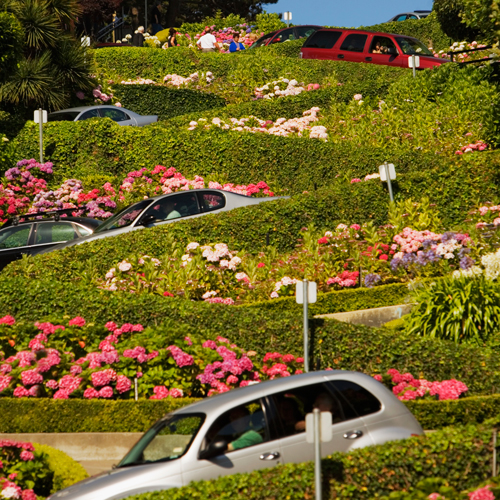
[{"x": 53, "y": 65}]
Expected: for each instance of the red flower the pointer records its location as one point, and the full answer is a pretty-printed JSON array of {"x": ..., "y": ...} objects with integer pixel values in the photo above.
[
  {"x": 323, "y": 240},
  {"x": 383, "y": 257}
]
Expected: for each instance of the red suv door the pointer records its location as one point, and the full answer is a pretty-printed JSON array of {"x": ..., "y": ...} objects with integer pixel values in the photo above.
[
  {"x": 383, "y": 50},
  {"x": 352, "y": 47}
]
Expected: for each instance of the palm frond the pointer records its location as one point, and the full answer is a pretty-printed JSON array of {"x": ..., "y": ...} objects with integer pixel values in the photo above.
[
  {"x": 35, "y": 84},
  {"x": 73, "y": 63}
]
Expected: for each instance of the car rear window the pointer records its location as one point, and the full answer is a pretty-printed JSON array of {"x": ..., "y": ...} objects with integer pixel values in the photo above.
[
  {"x": 360, "y": 400},
  {"x": 323, "y": 39},
  {"x": 354, "y": 42}
]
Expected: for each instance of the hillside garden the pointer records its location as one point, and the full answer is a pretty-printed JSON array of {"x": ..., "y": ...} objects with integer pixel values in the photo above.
[{"x": 199, "y": 307}]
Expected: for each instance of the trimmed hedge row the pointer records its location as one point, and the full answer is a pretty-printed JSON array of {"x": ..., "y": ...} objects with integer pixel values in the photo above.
[
  {"x": 462, "y": 456},
  {"x": 438, "y": 414},
  {"x": 333, "y": 344},
  {"x": 81, "y": 415},
  {"x": 163, "y": 101},
  {"x": 291, "y": 165},
  {"x": 75, "y": 415},
  {"x": 66, "y": 470}
]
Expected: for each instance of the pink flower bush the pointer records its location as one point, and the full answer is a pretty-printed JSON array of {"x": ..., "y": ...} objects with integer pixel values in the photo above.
[{"x": 407, "y": 388}]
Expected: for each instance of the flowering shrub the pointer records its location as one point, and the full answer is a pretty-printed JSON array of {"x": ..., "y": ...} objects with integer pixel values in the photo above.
[
  {"x": 408, "y": 388},
  {"x": 283, "y": 88},
  {"x": 80, "y": 360},
  {"x": 468, "y": 56},
  {"x": 282, "y": 127},
  {"x": 26, "y": 193},
  {"x": 22, "y": 470}
]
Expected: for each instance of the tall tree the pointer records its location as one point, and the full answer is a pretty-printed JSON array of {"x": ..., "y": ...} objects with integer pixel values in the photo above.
[
  {"x": 450, "y": 16},
  {"x": 53, "y": 64}
]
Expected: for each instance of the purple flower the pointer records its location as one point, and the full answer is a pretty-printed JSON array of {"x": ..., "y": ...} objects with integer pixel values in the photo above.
[{"x": 371, "y": 280}]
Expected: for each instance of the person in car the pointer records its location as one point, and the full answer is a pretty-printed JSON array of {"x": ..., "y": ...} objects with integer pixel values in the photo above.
[
  {"x": 377, "y": 48},
  {"x": 240, "y": 421},
  {"x": 323, "y": 402}
]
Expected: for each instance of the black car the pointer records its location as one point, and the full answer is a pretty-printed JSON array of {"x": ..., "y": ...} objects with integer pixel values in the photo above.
[
  {"x": 285, "y": 35},
  {"x": 29, "y": 233}
]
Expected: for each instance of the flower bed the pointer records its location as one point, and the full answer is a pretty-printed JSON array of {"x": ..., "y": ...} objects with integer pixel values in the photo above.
[
  {"x": 63, "y": 361},
  {"x": 282, "y": 127},
  {"x": 25, "y": 193}
]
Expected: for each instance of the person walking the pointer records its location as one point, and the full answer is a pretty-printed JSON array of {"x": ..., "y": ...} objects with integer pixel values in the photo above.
[
  {"x": 156, "y": 18},
  {"x": 208, "y": 42}
]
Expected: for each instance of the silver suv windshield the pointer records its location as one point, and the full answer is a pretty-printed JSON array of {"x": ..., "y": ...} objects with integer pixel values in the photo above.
[
  {"x": 167, "y": 440},
  {"x": 123, "y": 218}
]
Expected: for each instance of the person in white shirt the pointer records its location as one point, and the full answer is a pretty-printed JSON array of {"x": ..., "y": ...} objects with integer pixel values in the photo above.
[{"x": 208, "y": 42}]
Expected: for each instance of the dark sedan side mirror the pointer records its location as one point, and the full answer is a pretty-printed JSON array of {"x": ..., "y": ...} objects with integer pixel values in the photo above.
[{"x": 214, "y": 449}]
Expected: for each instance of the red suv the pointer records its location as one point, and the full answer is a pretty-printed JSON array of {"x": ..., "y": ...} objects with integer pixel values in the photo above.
[{"x": 368, "y": 47}]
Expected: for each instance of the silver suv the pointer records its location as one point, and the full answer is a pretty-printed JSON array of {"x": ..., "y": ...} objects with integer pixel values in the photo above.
[{"x": 252, "y": 428}]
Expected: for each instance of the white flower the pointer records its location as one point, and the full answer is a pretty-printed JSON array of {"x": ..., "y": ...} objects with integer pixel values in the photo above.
[
  {"x": 357, "y": 97},
  {"x": 186, "y": 258},
  {"x": 110, "y": 274},
  {"x": 207, "y": 295},
  {"x": 224, "y": 263},
  {"x": 124, "y": 266},
  {"x": 10, "y": 492},
  {"x": 128, "y": 37},
  {"x": 193, "y": 244},
  {"x": 274, "y": 295},
  {"x": 491, "y": 263}
]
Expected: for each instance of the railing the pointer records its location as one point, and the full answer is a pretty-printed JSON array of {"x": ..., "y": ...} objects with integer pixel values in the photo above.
[
  {"x": 109, "y": 29},
  {"x": 451, "y": 54}
]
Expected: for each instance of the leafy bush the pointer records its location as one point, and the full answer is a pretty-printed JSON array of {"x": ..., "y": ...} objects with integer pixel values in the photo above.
[
  {"x": 448, "y": 15},
  {"x": 66, "y": 470},
  {"x": 11, "y": 39},
  {"x": 362, "y": 474},
  {"x": 459, "y": 309},
  {"x": 163, "y": 101}
]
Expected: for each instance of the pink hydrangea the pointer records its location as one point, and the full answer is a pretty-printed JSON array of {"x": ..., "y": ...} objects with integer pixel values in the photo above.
[
  {"x": 123, "y": 384},
  {"x": 69, "y": 383},
  {"x": 482, "y": 494},
  {"x": 106, "y": 392},
  {"x": 176, "y": 393},
  {"x": 160, "y": 392},
  {"x": 4, "y": 382},
  {"x": 77, "y": 321},
  {"x": 26, "y": 455},
  {"x": 210, "y": 344},
  {"x": 31, "y": 377},
  {"x": 103, "y": 377},
  {"x": 61, "y": 394},
  {"x": 90, "y": 393},
  {"x": 7, "y": 320}
]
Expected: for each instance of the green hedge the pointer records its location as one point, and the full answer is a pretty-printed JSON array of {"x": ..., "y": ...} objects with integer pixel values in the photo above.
[
  {"x": 163, "y": 101},
  {"x": 333, "y": 344},
  {"x": 81, "y": 415},
  {"x": 291, "y": 165},
  {"x": 464, "y": 411},
  {"x": 74, "y": 415},
  {"x": 66, "y": 470},
  {"x": 462, "y": 456}
]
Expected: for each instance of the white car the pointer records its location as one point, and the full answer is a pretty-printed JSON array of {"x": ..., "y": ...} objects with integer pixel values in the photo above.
[{"x": 121, "y": 116}]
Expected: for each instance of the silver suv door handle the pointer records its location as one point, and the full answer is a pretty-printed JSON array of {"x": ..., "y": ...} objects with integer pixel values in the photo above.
[
  {"x": 353, "y": 434},
  {"x": 270, "y": 456}
]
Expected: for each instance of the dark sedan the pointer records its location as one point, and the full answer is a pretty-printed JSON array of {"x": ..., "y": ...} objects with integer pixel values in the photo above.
[{"x": 33, "y": 233}]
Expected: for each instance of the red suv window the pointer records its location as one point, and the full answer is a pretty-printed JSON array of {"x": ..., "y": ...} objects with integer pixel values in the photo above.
[
  {"x": 323, "y": 39},
  {"x": 354, "y": 42}
]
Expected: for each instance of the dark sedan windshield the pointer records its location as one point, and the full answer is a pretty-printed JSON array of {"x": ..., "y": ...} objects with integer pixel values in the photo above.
[
  {"x": 167, "y": 440},
  {"x": 123, "y": 218},
  {"x": 63, "y": 117}
]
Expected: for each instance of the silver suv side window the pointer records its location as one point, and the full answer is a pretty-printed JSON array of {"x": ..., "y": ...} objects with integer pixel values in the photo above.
[
  {"x": 241, "y": 427},
  {"x": 360, "y": 402},
  {"x": 293, "y": 405},
  {"x": 54, "y": 232}
]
